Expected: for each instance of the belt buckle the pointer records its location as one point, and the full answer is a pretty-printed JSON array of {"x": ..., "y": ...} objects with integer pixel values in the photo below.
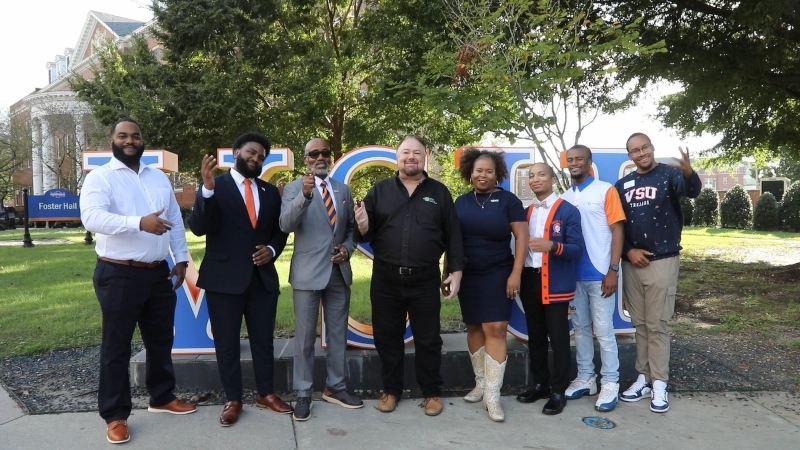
[{"x": 405, "y": 271}]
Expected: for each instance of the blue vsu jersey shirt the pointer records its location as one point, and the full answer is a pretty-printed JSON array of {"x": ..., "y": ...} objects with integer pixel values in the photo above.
[{"x": 651, "y": 202}]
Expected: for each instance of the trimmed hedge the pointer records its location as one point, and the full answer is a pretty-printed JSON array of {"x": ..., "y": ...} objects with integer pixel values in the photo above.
[
  {"x": 736, "y": 209},
  {"x": 765, "y": 216},
  {"x": 706, "y": 207},
  {"x": 687, "y": 206},
  {"x": 790, "y": 211}
]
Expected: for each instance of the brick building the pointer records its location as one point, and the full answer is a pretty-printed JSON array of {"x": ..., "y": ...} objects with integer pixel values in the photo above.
[{"x": 60, "y": 126}]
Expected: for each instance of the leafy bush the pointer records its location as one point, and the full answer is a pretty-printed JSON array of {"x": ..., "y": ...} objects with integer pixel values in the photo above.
[
  {"x": 687, "y": 206},
  {"x": 790, "y": 212},
  {"x": 765, "y": 216},
  {"x": 736, "y": 209},
  {"x": 706, "y": 206}
]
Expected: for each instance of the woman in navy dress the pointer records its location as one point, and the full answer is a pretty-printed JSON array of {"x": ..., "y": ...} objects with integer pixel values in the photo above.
[{"x": 491, "y": 278}]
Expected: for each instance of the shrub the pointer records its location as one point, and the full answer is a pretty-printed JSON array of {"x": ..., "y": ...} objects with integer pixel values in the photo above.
[
  {"x": 687, "y": 206},
  {"x": 185, "y": 213},
  {"x": 705, "y": 208},
  {"x": 736, "y": 209},
  {"x": 790, "y": 212},
  {"x": 765, "y": 216}
]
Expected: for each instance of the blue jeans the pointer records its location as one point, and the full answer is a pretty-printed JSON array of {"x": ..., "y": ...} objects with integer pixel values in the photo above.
[{"x": 590, "y": 308}]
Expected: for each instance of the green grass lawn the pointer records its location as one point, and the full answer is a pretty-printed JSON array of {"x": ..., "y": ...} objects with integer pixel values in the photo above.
[{"x": 47, "y": 300}]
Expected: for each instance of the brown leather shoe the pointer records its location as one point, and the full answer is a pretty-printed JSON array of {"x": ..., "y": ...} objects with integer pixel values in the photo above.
[
  {"x": 174, "y": 407},
  {"x": 230, "y": 414},
  {"x": 117, "y": 432},
  {"x": 274, "y": 403},
  {"x": 387, "y": 403},
  {"x": 433, "y": 406}
]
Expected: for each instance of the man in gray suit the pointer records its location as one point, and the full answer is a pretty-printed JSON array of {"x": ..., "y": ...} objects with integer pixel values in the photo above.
[{"x": 319, "y": 210}]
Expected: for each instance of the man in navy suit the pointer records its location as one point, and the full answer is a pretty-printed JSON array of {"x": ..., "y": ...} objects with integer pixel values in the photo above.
[{"x": 238, "y": 213}]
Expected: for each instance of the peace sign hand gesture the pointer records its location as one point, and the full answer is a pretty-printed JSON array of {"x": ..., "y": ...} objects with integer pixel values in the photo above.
[{"x": 683, "y": 163}]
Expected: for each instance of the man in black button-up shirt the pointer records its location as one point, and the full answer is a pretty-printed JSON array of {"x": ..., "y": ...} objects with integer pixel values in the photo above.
[{"x": 410, "y": 221}]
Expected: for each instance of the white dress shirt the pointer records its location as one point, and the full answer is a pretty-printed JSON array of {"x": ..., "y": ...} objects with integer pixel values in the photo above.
[
  {"x": 318, "y": 181},
  {"x": 239, "y": 180},
  {"x": 113, "y": 201},
  {"x": 536, "y": 229}
]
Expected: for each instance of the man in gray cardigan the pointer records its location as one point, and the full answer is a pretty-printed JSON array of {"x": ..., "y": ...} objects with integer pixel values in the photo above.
[{"x": 319, "y": 210}]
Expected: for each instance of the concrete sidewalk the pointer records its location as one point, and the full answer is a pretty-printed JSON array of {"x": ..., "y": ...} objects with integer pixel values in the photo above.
[{"x": 697, "y": 420}]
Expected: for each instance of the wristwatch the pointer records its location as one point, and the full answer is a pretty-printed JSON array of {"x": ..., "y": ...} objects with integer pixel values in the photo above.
[
  {"x": 614, "y": 267},
  {"x": 309, "y": 196}
]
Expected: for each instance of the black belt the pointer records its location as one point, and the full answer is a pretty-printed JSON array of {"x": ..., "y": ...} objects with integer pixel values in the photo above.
[
  {"x": 534, "y": 269},
  {"x": 403, "y": 270},
  {"x": 130, "y": 262}
]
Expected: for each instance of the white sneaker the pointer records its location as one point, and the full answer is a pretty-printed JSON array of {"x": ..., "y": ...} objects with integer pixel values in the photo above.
[
  {"x": 638, "y": 390},
  {"x": 607, "y": 400},
  {"x": 659, "y": 399},
  {"x": 578, "y": 388}
]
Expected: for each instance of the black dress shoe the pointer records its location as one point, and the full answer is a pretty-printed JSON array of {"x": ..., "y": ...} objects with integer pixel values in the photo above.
[
  {"x": 555, "y": 405},
  {"x": 531, "y": 395}
]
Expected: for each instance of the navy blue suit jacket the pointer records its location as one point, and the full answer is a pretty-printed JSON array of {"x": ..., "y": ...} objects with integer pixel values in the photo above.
[{"x": 231, "y": 240}]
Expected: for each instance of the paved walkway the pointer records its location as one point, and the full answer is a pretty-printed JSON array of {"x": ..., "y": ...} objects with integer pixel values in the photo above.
[{"x": 766, "y": 420}]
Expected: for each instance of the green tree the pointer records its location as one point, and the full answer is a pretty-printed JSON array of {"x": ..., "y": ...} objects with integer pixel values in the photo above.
[
  {"x": 706, "y": 206},
  {"x": 292, "y": 69},
  {"x": 736, "y": 209},
  {"x": 765, "y": 216},
  {"x": 15, "y": 145},
  {"x": 790, "y": 208},
  {"x": 537, "y": 69},
  {"x": 737, "y": 64}
]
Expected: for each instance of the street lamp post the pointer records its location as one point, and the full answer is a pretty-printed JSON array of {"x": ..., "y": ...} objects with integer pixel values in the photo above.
[{"x": 26, "y": 238}]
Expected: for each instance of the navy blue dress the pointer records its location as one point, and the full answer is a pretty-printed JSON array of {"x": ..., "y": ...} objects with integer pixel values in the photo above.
[{"x": 486, "y": 227}]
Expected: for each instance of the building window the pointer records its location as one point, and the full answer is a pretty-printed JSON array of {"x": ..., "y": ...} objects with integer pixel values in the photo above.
[
  {"x": 711, "y": 183},
  {"x": 725, "y": 181}
]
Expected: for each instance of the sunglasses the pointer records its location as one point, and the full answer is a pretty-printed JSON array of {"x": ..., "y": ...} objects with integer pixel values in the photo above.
[{"x": 314, "y": 154}]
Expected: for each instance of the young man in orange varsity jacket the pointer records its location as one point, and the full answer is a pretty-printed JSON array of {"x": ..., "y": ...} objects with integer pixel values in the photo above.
[{"x": 547, "y": 286}]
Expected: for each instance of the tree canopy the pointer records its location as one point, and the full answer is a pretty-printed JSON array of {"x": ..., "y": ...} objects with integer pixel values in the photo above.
[
  {"x": 539, "y": 70},
  {"x": 737, "y": 65},
  {"x": 291, "y": 69}
]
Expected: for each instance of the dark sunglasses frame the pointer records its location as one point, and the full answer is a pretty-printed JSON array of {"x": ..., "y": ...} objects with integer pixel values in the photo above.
[{"x": 314, "y": 154}]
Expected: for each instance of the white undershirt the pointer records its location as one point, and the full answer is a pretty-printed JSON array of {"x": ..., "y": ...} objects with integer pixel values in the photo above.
[{"x": 536, "y": 229}]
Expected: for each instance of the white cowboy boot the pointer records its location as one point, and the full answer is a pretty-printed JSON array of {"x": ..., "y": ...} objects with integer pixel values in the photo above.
[
  {"x": 494, "y": 381},
  {"x": 476, "y": 394}
]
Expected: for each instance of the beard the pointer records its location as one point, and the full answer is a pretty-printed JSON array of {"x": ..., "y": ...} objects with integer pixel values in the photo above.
[
  {"x": 320, "y": 172},
  {"x": 244, "y": 168},
  {"x": 410, "y": 172},
  {"x": 126, "y": 159}
]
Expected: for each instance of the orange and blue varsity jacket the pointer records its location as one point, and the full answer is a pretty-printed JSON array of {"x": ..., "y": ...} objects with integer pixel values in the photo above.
[{"x": 563, "y": 226}]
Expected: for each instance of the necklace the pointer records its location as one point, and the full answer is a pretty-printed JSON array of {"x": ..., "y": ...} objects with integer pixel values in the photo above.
[{"x": 484, "y": 202}]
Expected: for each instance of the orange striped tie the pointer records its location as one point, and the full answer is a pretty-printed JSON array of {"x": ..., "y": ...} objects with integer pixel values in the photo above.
[
  {"x": 249, "y": 202},
  {"x": 328, "y": 202}
]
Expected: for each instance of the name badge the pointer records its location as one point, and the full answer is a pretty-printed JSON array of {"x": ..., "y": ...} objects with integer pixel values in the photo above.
[{"x": 629, "y": 184}]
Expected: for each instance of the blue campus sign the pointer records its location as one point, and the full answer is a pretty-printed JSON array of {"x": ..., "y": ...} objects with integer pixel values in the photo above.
[{"x": 55, "y": 204}]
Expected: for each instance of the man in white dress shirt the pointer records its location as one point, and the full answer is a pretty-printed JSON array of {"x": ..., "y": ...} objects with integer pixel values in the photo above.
[{"x": 132, "y": 209}]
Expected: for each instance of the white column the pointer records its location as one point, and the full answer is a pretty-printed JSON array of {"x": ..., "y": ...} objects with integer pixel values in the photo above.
[
  {"x": 80, "y": 146},
  {"x": 49, "y": 180},
  {"x": 36, "y": 157}
]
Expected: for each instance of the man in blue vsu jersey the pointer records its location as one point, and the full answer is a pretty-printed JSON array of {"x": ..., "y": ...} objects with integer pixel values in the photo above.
[{"x": 651, "y": 201}]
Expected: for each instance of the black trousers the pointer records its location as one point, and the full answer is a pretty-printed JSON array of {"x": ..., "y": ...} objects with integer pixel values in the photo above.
[
  {"x": 393, "y": 296},
  {"x": 130, "y": 295},
  {"x": 543, "y": 321},
  {"x": 258, "y": 307}
]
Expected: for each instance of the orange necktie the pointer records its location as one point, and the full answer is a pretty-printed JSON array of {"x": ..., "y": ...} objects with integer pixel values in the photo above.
[{"x": 249, "y": 202}]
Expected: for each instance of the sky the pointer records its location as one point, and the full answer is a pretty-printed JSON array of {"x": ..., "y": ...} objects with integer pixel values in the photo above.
[{"x": 35, "y": 31}]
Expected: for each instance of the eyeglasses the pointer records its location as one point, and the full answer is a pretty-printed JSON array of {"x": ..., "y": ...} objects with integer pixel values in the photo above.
[
  {"x": 643, "y": 149},
  {"x": 314, "y": 154}
]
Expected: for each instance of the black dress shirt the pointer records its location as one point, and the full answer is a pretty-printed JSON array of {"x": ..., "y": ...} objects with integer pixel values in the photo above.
[{"x": 413, "y": 231}]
